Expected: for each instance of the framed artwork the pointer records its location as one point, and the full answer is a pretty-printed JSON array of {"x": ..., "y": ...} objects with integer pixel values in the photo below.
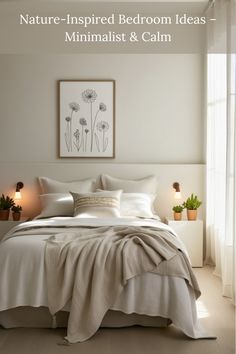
[{"x": 87, "y": 118}]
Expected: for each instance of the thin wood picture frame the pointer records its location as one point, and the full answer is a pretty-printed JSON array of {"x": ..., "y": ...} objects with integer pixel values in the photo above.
[{"x": 87, "y": 118}]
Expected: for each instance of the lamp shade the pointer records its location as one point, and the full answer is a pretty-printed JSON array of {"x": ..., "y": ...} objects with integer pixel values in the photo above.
[
  {"x": 176, "y": 187},
  {"x": 19, "y": 186},
  {"x": 178, "y": 195},
  {"x": 17, "y": 196}
]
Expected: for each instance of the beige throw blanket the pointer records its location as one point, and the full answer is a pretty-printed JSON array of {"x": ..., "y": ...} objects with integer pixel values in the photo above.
[{"x": 90, "y": 267}]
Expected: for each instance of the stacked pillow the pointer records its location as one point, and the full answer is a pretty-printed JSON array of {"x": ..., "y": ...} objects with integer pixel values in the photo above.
[
  {"x": 119, "y": 197},
  {"x": 49, "y": 185},
  {"x": 56, "y": 199},
  {"x": 143, "y": 185},
  {"x": 138, "y": 195},
  {"x": 56, "y": 204},
  {"x": 137, "y": 204}
]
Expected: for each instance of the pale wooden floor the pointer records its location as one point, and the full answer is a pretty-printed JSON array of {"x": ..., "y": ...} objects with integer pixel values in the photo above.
[{"x": 217, "y": 316}]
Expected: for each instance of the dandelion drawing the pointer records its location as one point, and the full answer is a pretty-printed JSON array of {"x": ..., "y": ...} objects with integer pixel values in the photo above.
[
  {"x": 68, "y": 135},
  {"x": 83, "y": 123},
  {"x": 87, "y": 122},
  {"x": 74, "y": 106},
  {"x": 97, "y": 141},
  {"x": 103, "y": 127},
  {"x": 86, "y": 134},
  {"x": 102, "y": 108},
  {"x": 77, "y": 138},
  {"x": 90, "y": 96}
]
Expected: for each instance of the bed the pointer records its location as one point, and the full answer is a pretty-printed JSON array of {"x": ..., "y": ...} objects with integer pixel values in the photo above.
[{"x": 112, "y": 264}]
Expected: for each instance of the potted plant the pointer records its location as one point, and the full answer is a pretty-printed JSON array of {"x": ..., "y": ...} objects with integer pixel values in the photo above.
[
  {"x": 5, "y": 205},
  {"x": 16, "y": 212},
  {"x": 192, "y": 204},
  {"x": 177, "y": 209}
]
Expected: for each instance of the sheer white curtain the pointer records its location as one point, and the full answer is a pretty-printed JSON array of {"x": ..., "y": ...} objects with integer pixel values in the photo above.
[{"x": 221, "y": 145}]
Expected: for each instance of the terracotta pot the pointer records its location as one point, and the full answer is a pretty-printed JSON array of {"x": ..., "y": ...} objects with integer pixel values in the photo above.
[
  {"x": 177, "y": 216},
  {"x": 192, "y": 215},
  {"x": 16, "y": 216},
  {"x": 4, "y": 214}
]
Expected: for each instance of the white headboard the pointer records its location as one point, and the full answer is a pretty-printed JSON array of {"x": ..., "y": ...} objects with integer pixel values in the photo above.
[{"x": 190, "y": 177}]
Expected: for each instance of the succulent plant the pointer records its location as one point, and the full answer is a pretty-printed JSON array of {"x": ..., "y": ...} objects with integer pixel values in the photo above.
[
  {"x": 192, "y": 203},
  {"x": 16, "y": 208},
  {"x": 6, "y": 202},
  {"x": 178, "y": 208}
]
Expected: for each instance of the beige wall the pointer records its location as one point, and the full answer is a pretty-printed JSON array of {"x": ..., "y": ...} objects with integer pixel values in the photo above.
[{"x": 158, "y": 105}]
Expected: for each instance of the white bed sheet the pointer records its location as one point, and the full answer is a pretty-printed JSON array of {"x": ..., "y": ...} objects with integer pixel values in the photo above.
[{"x": 23, "y": 279}]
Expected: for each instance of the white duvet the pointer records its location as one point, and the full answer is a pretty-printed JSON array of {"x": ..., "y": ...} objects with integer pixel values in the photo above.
[{"x": 23, "y": 279}]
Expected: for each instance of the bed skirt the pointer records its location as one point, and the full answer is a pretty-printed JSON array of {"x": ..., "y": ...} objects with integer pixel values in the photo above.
[{"x": 40, "y": 317}]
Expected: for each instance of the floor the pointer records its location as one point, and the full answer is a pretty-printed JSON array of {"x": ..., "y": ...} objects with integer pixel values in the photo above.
[{"x": 216, "y": 313}]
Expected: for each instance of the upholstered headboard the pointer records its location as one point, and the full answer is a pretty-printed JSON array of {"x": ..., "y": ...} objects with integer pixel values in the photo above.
[{"x": 190, "y": 177}]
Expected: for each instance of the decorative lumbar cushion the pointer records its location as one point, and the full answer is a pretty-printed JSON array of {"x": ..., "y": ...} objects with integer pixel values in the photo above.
[
  {"x": 49, "y": 185},
  {"x": 56, "y": 204},
  {"x": 145, "y": 185},
  {"x": 105, "y": 204}
]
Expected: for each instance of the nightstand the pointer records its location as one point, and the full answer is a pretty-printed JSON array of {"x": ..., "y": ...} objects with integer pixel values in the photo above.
[
  {"x": 191, "y": 233},
  {"x": 6, "y": 225}
]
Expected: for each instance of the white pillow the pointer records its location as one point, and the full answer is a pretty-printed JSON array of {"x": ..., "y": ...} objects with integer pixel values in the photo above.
[
  {"x": 105, "y": 204},
  {"x": 145, "y": 185},
  {"x": 56, "y": 204},
  {"x": 49, "y": 185},
  {"x": 137, "y": 204}
]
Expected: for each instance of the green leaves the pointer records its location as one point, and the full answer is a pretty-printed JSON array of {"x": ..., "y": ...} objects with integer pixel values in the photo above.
[
  {"x": 6, "y": 202},
  {"x": 16, "y": 208},
  {"x": 192, "y": 203},
  {"x": 178, "y": 208}
]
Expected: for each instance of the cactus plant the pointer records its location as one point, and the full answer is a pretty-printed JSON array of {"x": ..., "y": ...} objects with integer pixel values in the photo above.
[{"x": 192, "y": 203}]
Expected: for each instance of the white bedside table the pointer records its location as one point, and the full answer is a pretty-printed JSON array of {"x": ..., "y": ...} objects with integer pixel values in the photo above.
[
  {"x": 191, "y": 233},
  {"x": 6, "y": 225}
]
